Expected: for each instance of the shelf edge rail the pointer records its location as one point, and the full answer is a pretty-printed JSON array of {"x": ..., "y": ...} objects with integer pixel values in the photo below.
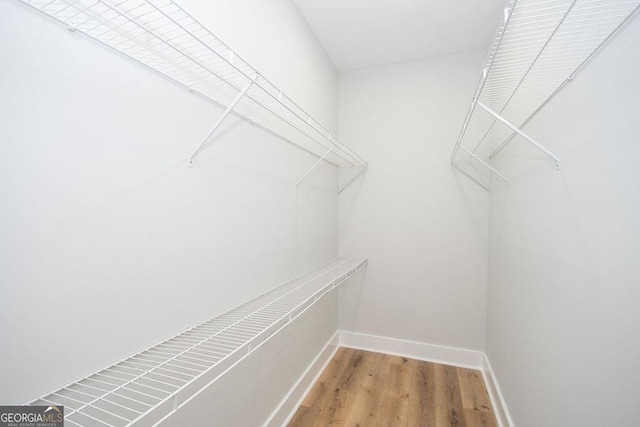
[
  {"x": 163, "y": 37},
  {"x": 587, "y": 11}
]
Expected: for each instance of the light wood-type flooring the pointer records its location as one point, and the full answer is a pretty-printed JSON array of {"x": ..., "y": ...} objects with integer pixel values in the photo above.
[{"x": 361, "y": 388}]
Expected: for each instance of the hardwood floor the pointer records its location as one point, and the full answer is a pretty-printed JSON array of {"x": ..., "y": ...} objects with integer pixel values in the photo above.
[{"x": 360, "y": 388}]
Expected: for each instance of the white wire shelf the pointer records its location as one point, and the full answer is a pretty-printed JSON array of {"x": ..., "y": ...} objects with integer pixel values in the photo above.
[
  {"x": 163, "y": 37},
  {"x": 538, "y": 48},
  {"x": 146, "y": 387}
]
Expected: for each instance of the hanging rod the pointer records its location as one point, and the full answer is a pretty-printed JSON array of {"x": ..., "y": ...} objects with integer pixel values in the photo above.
[
  {"x": 538, "y": 48},
  {"x": 163, "y": 37}
]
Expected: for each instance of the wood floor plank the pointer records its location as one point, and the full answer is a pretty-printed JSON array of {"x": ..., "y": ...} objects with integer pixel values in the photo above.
[
  {"x": 348, "y": 386},
  {"x": 353, "y": 370},
  {"x": 478, "y": 418},
  {"x": 481, "y": 396},
  {"x": 467, "y": 389},
  {"x": 331, "y": 415},
  {"x": 304, "y": 416},
  {"x": 454, "y": 400},
  {"x": 473, "y": 390},
  {"x": 323, "y": 393},
  {"x": 370, "y": 389},
  {"x": 395, "y": 405},
  {"x": 327, "y": 379},
  {"x": 404, "y": 391},
  {"x": 423, "y": 394},
  {"x": 441, "y": 401},
  {"x": 364, "y": 408},
  {"x": 482, "y": 400}
]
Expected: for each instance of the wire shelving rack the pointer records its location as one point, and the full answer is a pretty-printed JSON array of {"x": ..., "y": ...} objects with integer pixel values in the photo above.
[
  {"x": 146, "y": 388},
  {"x": 165, "y": 38},
  {"x": 538, "y": 48}
]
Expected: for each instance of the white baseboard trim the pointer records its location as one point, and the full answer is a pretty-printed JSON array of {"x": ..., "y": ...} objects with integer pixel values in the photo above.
[
  {"x": 438, "y": 354},
  {"x": 413, "y": 350},
  {"x": 495, "y": 395},
  {"x": 292, "y": 401}
]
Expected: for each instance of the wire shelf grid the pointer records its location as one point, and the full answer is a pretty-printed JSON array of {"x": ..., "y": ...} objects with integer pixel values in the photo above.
[
  {"x": 538, "y": 48},
  {"x": 148, "y": 386},
  {"x": 162, "y": 36}
]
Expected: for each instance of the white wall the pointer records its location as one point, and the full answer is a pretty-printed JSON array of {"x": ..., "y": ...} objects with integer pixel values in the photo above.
[
  {"x": 564, "y": 292},
  {"x": 109, "y": 243},
  {"x": 421, "y": 224}
]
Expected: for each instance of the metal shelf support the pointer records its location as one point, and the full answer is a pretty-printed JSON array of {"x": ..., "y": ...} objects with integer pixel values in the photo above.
[
  {"x": 521, "y": 133},
  {"x": 493, "y": 170},
  {"x": 314, "y": 166},
  {"x": 222, "y": 117}
]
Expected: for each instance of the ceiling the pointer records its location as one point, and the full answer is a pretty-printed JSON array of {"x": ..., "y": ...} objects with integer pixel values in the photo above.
[{"x": 364, "y": 33}]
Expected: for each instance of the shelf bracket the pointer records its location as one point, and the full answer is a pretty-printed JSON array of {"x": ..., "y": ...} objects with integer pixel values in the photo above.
[
  {"x": 487, "y": 165},
  {"x": 360, "y": 171},
  {"x": 314, "y": 166},
  {"x": 521, "y": 133},
  {"x": 222, "y": 117}
]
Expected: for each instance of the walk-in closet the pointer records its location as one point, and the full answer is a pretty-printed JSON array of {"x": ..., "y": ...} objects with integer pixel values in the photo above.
[{"x": 313, "y": 213}]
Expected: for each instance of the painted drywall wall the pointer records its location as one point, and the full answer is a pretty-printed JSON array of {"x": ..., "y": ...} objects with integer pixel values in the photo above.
[
  {"x": 421, "y": 224},
  {"x": 109, "y": 243},
  {"x": 563, "y": 316}
]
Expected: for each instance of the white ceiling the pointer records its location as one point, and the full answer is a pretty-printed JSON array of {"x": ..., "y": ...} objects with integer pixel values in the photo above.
[{"x": 364, "y": 33}]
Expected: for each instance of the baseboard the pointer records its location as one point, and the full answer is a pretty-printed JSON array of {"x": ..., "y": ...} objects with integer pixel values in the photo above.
[
  {"x": 438, "y": 354},
  {"x": 495, "y": 394},
  {"x": 414, "y": 350},
  {"x": 289, "y": 405}
]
